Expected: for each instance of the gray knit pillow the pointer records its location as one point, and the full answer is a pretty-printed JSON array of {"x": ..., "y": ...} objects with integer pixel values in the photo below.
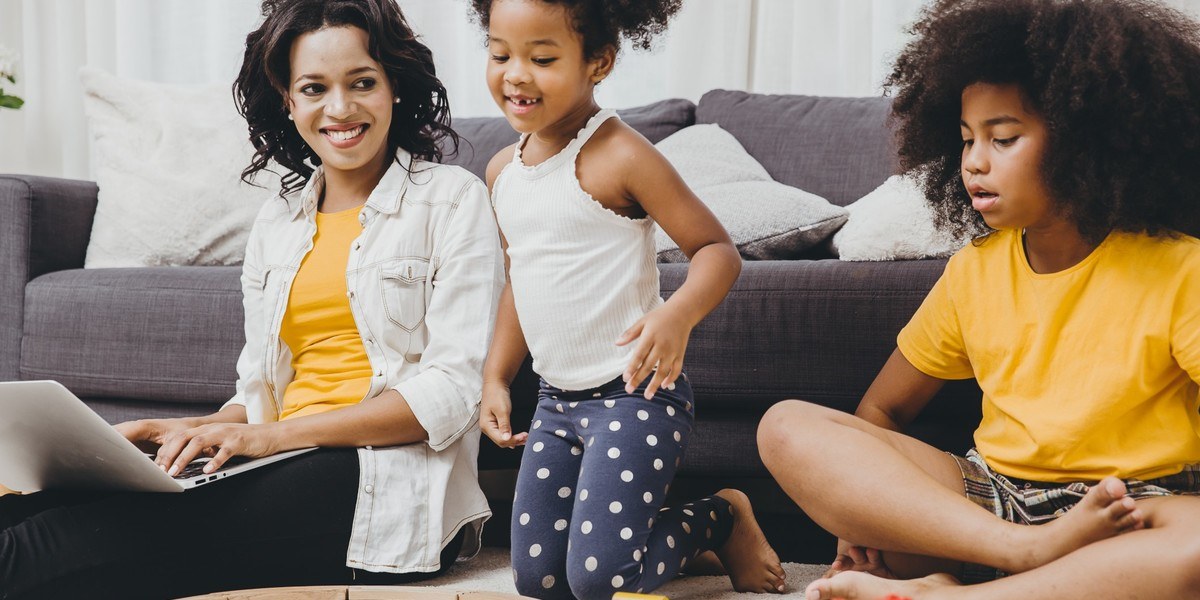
[{"x": 766, "y": 219}]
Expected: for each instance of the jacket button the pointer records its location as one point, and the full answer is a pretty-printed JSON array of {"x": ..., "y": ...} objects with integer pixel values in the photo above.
[
  {"x": 350, "y": 294},
  {"x": 369, "y": 488},
  {"x": 370, "y": 341}
]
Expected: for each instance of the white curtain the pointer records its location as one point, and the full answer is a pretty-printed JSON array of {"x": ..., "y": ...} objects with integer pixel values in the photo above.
[{"x": 820, "y": 47}]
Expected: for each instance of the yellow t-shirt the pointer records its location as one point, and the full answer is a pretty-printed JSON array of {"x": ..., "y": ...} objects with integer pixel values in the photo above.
[
  {"x": 332, "y": 369},
  {"x": 1087, "y": 372}
]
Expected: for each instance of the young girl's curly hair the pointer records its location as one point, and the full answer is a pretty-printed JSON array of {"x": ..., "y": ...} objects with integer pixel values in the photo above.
[
  {"x": 420, "y": 121},
  {"x": 1116, "y": 81},
  {"x": 602, "y": 23}
]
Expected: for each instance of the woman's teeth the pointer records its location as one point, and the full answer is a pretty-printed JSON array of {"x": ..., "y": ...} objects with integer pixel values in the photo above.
[{"x": 342, "y": 135}]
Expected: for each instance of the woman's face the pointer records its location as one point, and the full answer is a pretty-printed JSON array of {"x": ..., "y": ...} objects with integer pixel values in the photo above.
[
  {"x": 340, "y": 100},
  {"x": 1003, "y": 145}
]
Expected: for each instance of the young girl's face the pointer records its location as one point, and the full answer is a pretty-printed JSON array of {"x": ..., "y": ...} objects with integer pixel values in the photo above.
[
  {"x": 537, "y": 72},
  {"x": 1001, "y": 157},
  {"x": 340, "y": 99}
]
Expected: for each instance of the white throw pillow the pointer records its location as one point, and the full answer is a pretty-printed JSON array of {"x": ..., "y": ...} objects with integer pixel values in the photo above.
[
  {"x": 168, "y": 161},
  {"x": 766, "y": 219},
  {"x": 894, "y": 222}
]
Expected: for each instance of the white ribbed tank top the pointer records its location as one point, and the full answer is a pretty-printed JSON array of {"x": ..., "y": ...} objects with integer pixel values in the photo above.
[{"x": 581, "y": 274}]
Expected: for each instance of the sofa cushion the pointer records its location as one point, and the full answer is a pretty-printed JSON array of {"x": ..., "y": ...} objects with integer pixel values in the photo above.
[
  {"x": 168, "y": 334},
  {"x": 168, "y": 161},
  {"x": 483, "y": 137},
  {"x": 836, "y": 148},
  {"x": 813, "y": 329},
  {"x": 894, "y": 222},
  {"x": 766, "y": 219}
]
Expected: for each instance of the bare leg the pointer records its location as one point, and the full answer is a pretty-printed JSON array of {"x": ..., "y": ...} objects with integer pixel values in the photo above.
[
  {"x": 877, "y": 488},
  {"x": 1133, "y": 565}
]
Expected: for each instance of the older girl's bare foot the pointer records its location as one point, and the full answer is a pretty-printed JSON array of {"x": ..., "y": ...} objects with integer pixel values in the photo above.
[
  {"x": 864, "y": 586},
  {"x": 1105, "y": 511},
  {"x": 751, "y": 563}
]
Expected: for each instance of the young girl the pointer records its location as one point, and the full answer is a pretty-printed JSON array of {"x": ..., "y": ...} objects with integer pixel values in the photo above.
[
  {"x": 1079, "y": 315},
  {"x": 577, "y": 198},
  {"x": 369, "y": 301}
]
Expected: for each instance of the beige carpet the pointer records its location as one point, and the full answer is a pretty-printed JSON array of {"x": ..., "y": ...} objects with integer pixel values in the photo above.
[{"x": 490, "y": 572}]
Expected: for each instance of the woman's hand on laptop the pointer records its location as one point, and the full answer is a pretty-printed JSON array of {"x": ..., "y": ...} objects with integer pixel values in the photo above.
[
  {"x": 220, "y": 441},
  {"x": 149, "y": 434}
]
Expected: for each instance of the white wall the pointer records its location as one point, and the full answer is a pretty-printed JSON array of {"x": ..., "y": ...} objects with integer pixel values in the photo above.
[{"x": 824, "y": 47}]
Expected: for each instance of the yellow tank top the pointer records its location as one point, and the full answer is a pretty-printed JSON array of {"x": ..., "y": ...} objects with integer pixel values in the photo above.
[{"x": 332, "y": 369}]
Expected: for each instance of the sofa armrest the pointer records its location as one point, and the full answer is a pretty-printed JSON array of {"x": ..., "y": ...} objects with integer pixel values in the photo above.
[{"x": 45, "y": 225}]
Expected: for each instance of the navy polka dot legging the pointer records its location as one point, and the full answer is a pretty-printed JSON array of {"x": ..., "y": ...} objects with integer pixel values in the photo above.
[{"x": 588, "y": 516}]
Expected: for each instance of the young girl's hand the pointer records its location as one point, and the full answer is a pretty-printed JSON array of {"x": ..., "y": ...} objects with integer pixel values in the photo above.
[
  {"x": 664, "y": 335},
  {"x": 494, "y": 409}
]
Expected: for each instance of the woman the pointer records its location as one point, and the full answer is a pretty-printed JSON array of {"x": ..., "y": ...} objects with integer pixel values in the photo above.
[{"x": 370, "y": 296}]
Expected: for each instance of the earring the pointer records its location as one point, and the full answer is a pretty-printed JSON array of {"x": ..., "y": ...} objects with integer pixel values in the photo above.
[
  {"x": 290, "y": 117},
  {"x": 396, "y": 100}
]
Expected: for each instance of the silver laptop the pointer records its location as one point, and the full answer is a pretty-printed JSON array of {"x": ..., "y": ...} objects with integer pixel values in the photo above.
[{"x": 51, "y": 440}]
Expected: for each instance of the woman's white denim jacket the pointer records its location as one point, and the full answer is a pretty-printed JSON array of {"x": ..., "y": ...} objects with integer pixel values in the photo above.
[{"x": 424, "y": 280}]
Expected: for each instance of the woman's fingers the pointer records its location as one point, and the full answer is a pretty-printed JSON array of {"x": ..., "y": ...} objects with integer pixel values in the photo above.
[{"x": 218, "y": 460}]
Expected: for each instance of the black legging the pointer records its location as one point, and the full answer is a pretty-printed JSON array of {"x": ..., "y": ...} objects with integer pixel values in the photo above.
[{"x": 284, "y": 524}]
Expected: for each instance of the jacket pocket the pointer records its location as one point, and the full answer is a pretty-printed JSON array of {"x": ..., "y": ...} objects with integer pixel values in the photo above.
[{"x": 403, "y": 285}]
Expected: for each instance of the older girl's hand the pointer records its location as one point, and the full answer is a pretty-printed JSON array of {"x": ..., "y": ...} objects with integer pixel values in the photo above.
[
  {"x": 494, "y": 411},
  {"x": 663, "y": 336},
  {"x": 220, "y": 441}
]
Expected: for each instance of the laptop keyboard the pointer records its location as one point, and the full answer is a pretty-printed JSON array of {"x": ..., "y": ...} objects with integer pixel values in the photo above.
[{"x": 196, "y": 467}]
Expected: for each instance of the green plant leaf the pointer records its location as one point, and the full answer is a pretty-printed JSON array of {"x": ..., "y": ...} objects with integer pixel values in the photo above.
[
  {"x": 11, "y": 102},
  {"x": 11, "y": 78}
]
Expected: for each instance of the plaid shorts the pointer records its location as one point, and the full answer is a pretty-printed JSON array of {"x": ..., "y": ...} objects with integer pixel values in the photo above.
[{"x": 1035, "y": 503}]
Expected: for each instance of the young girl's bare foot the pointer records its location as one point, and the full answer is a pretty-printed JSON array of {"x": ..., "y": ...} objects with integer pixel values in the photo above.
[
  {"x": 1103, "y": 513},
  {"x": 705, "y": 563},
  {"x": 864, "y": 586},
  {"x": 751, "y": 563}
]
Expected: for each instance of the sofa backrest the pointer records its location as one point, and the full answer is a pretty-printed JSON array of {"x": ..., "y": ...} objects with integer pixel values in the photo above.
[{"x": 837, "y": 148}]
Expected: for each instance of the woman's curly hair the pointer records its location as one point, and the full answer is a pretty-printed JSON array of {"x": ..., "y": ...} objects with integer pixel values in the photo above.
[
  {"x": 420, "y": 121},
  {"x": 602, "y": 23},
  {"x": 1116, "y": 81}
]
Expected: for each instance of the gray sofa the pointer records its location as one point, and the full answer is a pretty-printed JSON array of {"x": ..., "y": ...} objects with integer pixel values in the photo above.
[{"x": 149, "y": 342}]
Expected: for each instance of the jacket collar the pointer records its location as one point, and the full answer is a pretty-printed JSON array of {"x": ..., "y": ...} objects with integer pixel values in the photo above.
[{"x": 385, "y": 198}]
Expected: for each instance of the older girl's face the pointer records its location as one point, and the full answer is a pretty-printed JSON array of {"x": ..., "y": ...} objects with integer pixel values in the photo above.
[
  {"x": 1003, "y": 145},
  {"x": 340, "y": 100}
]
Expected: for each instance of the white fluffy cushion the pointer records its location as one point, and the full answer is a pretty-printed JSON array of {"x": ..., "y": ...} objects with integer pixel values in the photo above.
[
  {"x": 892, "y": 223},
  {"x": 766, "y": 219},
  {"x": 167, "y": 160}
]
